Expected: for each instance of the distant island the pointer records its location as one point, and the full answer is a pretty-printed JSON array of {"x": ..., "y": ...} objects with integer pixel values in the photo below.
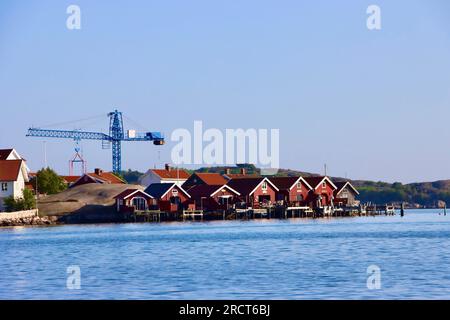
[{"x": 414, "y": 195}]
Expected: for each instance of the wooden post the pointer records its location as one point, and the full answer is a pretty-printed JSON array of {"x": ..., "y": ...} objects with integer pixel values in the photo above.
[{"x": 402, "y": 209}]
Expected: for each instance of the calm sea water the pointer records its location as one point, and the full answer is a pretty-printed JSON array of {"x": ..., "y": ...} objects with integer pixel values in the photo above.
[{"x": 263, "y": 259}]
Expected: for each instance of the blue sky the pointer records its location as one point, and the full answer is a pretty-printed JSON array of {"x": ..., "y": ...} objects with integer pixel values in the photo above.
[{"x": 371, "y": 104}]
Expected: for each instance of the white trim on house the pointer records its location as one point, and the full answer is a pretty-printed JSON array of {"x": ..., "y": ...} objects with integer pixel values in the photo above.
[
  {"x": 134, "y": 192},
  {"x": 347, "y": 184},
  {"x": 304, "y": 181},
  {"x": 323, "y": 180},
  {"x": 222, "y": 187},
  {"x": 264, "y": 180},
  {"x": 13, "y": 155},
  {"x": 173, "y": 185}
]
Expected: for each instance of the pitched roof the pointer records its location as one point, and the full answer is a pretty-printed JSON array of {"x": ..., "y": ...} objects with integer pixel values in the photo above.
[
  {"x": 159, "y": 190},
  {"x": 208, "y": 190},
  {"x": 286, "y": 183},
  {"x": 213, "y": 179},
  {"x": 10, "y": 169},
  {"x": 4, "y": 153},
  {"x": 129, "y": 192},
  {"x": 108, "y": 177},
  {"x": 103, "y": 178},
  {"x": 69, "y": 179},
  {"x": 316, "y": 181},
  {"x": 341, "y": 185},
  {"x": 172, "y": 174},
  {"x": 247, "y": 186}
]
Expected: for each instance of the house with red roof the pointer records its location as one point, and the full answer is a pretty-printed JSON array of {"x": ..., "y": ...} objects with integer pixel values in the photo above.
[
  {"x": 213, "y": 197},
  {"x": 169, "y": 197},
  {"x": 166, "y": 175},
  {"x": 293, "y": 191},
  {"x": 13, "y": 175},
  {"x": 132, "y": 200},
  {"x": 345, "y": 194},
  {"x": 70, "y": 180},
  {"x": 322, "y": 193},
  {"x": 204, "y": 178},
  {"x": 255, "y": 192},
  {"x": 98, "y": 176}
]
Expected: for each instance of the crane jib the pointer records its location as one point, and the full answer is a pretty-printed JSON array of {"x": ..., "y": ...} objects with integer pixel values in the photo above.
[
  {"x": 115, "y": 137},
  {"x": 67, "y": 134}
]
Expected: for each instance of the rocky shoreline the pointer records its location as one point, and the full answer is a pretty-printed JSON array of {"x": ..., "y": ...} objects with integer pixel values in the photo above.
[{"x": 31, "y": 221}]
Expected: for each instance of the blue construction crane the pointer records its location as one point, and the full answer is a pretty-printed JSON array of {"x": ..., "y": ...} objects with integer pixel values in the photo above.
[{"x": 115, "y": 137}]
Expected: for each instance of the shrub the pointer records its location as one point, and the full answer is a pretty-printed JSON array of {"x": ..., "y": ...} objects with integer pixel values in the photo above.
[{"x": 27, "y": 202}]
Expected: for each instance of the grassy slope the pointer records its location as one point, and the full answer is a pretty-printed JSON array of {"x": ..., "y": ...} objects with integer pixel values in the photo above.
[{"x": 82, "y": 199}]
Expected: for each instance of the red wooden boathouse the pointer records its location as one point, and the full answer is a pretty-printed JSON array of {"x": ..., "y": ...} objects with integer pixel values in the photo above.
[
  {"x": 255, "y": 192},
  {"x": 322, "y": 193},
  {"x": 293, "y": 191}
]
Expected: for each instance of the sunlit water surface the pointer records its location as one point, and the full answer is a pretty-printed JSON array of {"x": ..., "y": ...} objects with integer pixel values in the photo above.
[{"x": 262, "y": 259}]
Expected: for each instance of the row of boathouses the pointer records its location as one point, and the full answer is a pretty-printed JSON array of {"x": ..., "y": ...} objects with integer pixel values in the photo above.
[{"x": 175, "y": 191}]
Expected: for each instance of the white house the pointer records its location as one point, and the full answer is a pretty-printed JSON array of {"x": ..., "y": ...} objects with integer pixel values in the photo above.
[
  {"x": 166, "y": 175},
  {"x": 13, "y": 175}
]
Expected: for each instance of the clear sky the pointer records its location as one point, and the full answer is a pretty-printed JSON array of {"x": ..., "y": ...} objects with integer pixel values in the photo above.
[{"x": 371, "y": 104}]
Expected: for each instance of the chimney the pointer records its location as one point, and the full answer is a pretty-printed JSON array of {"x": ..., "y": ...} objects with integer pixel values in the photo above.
[
  {"x": 98, "y": 171},
  {"x": 168, "y": 168},
  {"x": 243, "y": 172},
  {"x": 227, "y": 171}
]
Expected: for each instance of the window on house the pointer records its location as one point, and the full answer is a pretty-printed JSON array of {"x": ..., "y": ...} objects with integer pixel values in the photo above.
[
  {"x": 4, "y": 186},
  {"x": 324, "y": 185},
  {"x": 139, "y": 204},
  {"x": 224, "y": 201},
  {"x": 175, "y": 200},
  {"x": 299, "y": 185},
  {"x": 264, "y": 186}
]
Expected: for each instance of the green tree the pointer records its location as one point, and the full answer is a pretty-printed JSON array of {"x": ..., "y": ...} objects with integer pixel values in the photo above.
[
  {"x": 49, "y": 182},
  {"x": 27, "y": 202},
  {"x": 120, "y": 176},
  {"x": 10, "y": 204},
  {"x": 131, "y": 176}
]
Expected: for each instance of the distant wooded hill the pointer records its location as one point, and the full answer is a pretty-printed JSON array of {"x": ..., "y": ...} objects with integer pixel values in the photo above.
[{"x": 425, "y": 194}]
